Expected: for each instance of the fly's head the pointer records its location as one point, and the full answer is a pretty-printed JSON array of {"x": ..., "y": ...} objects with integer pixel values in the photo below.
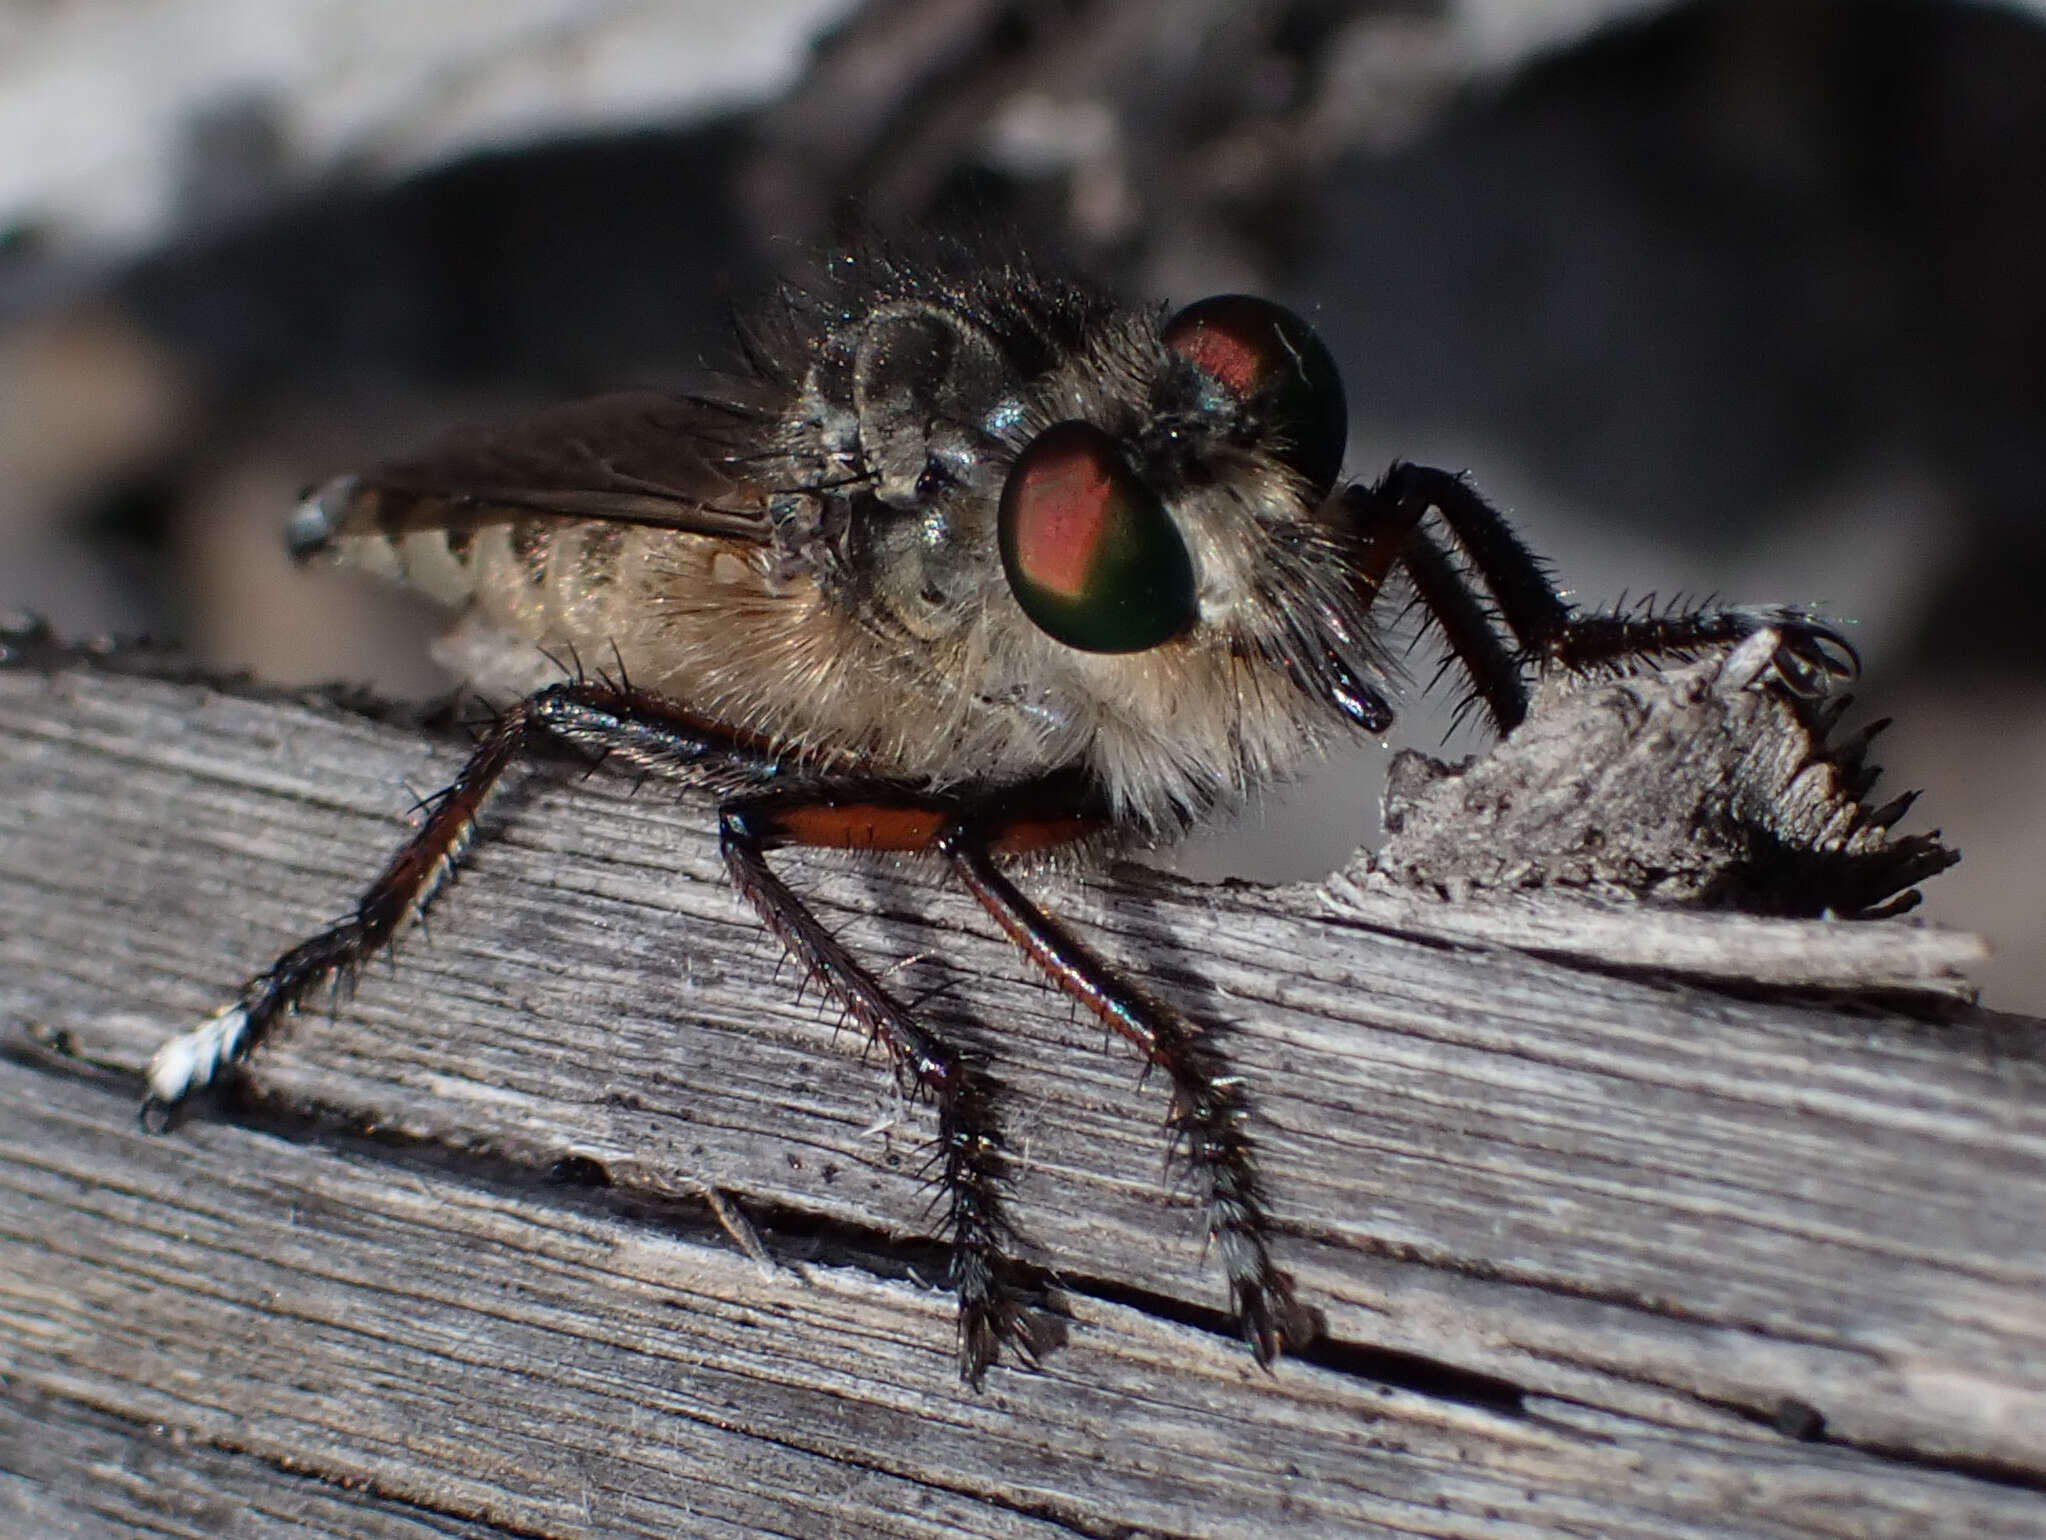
[{"x": 1121, "y": 521}]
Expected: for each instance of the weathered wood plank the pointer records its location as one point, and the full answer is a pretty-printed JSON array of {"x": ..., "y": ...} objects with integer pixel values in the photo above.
[
  {"x": 547, "y": 1367},
  {"x": 68, "y": 1472},
  {"x": 1653, "y": 1214}
]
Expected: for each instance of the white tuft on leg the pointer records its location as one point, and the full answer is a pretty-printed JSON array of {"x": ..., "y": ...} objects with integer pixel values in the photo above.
[{"x": 191, "y": 1060}]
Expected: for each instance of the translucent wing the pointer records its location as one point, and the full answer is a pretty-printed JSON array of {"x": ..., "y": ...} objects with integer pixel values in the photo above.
[{"x": 674, "y": 462}]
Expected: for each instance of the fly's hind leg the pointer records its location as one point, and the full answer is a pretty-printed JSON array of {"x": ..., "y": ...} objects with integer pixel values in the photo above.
[
  {"x": 197, "y": 1057},
  {"x": 639, "y": 728}
]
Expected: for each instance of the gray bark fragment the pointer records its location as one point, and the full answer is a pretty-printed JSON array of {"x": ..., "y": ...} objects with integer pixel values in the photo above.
[{"x": 1714, "y": 784}]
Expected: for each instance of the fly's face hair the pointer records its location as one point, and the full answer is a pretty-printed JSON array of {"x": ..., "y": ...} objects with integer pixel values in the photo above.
[{"x": 972, "y": 560}]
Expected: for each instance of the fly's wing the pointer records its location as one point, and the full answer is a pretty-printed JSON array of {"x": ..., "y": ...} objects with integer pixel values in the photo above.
[{"x": 672, "y": 462}]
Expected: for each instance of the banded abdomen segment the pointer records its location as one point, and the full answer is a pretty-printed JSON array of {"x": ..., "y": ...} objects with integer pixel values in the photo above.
[{"x": 520, "y": 569}]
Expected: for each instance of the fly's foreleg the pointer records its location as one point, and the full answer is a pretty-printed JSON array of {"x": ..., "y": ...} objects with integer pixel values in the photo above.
[{"x": 1518, "y": 594}]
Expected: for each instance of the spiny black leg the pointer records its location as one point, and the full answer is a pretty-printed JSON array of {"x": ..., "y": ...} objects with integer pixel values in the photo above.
[
  {"x": 1547, "y": 630},
  {"x": 972, "y": 1175},
  {"x": 1209, "y": 1109},
  {"x": 642, "y": 729},
  {"x": 1553, "y": 633},
  {"x": 1387, "y": 521},
  {"x": 1528, "y": 602},
  {"x": 195, "y": 1058},
  {"x": 1811, "y": 656},
  {"x": 1446, "y": 599},
  {"x": 652, "y": 733}
]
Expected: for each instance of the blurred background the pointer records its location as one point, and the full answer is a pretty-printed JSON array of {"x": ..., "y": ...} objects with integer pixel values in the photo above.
[{"x": 1733, "y": 296}]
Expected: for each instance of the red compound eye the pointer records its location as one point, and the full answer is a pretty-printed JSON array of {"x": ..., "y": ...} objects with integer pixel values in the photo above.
[
  {"x": 1090, "y": 552},
  {"x": 1270, "y": 360}
]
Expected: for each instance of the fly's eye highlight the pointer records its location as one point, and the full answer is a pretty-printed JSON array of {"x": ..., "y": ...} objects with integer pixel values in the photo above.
[
  {"x": 1090, "y": 552},
  {"x": 1268, "y": 358}
]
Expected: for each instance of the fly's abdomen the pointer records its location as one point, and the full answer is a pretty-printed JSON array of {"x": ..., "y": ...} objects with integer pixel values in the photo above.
[
  {"x": 422, "y": 542},
  {"x": 525, "y": 571}
]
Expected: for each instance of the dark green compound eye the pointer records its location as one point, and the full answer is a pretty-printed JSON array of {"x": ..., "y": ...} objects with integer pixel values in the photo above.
[
  {"x": 1090, "y": 552},
  {"x": 1268, "y": 358}
]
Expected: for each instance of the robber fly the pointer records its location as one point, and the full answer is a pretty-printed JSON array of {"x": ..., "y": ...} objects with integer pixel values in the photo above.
[{"x": 970, "y": 560}]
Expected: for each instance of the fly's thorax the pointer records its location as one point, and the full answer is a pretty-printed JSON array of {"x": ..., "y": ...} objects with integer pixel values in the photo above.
[
  {"x": 904, "y": 421},
  {"x": 927, "y": 574}
]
